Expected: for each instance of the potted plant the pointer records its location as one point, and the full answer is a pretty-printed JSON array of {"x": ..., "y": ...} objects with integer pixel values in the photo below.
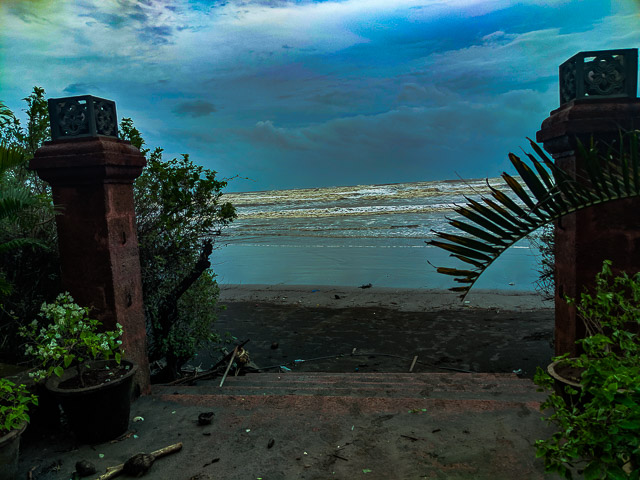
[
  {"x": 597, "y": 412},
  {"x": 14, "y": 405},
  {"x": 83, "y": 368}
]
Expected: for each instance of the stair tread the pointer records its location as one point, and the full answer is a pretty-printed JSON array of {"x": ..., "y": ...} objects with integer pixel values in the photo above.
[{"x": 498, "y": 387}]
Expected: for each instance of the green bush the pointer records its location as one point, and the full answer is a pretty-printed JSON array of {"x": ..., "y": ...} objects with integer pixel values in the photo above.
[
  {"x": 179, "y": 213},
  {"x": 14, "y": 405},
  {"x": 30, "y": 268},
  {"x": 597, "y": 427}
]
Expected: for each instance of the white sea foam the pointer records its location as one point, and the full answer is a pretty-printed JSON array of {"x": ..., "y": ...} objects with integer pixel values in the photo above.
[{"x": 346, "y": 235}]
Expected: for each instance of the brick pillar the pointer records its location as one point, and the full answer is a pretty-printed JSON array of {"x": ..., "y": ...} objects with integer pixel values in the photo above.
[
  {"x": 92, "y": 180},
  {"x": 584, "y": 239}
]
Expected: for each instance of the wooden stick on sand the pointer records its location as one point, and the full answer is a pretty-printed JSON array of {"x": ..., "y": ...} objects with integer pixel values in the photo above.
[
  {"x": 233, "y": 356},
  {"x": 113, "y": 472}
]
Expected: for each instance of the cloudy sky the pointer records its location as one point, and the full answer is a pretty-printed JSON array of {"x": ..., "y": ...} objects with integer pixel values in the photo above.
[{"x": 304, "y": 93}]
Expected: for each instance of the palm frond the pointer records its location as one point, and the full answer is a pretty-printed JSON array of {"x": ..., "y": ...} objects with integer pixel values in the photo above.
[
  {"x": 17, "y": 243},
  {"x": 546, "y": 193},
  {"x": 10, "y": 157},
  {"x": 15, "y": 200}
]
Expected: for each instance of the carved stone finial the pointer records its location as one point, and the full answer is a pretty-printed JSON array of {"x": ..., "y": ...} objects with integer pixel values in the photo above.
[
  {"x": 599, "y": 74},
  {"x": 82, "y": 116}
]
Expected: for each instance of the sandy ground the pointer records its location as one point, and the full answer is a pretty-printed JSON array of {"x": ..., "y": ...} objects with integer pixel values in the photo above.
[
  {"x": 350, "y": 409},
  {"x": 489, "y": 332},
  {"x": 401, "y": 299}
]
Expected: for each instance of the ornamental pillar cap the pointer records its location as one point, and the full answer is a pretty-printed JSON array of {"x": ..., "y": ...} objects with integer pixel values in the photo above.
[
  {"x": 82, "y": 116},
  {"x": 599, "y": 74}
]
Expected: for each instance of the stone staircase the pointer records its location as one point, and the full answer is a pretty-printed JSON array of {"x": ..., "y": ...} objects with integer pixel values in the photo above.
[{"x": 496, "y": 387}]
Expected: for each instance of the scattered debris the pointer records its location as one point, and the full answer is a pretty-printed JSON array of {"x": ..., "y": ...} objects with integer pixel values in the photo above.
[
  {"x": 55, "y": 466},
  {"x": 413, "y": 439},
  {"x": 518, "y": 372},
  {"x": 226, "y": 372},
  {"x": 211, "y": 373},
  {"x": 138, "y": 419},
  {"x": 413, "y": 364},
  {"x": 139, "y": 463},
  {"x": 368, "y": 285},
  {"x": 205, "y": 418},
  {"x": 242, "y": 357},
  {"x": 85, "y": 468},
  {"x": 271, "y": 442},
  {"x": 338, "y": 456},
  {"x": 124, "y": 436},
  {"x": 30, "y": 473},
  {"x": 215, "y": 460},
  {"x": 366, "y": 470},
  {"x": 274, "y": 345},
  {"x": 337, "y": 297},
  {"x": 436, "y": 430}
]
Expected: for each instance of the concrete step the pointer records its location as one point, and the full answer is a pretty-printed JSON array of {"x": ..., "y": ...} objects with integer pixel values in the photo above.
[{"x": 458, "y": 386}]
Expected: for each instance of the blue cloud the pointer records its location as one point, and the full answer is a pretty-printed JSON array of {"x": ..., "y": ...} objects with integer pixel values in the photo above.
[
  {"x": 196, "y": 108},
  {"x": 80, "y": 89}
]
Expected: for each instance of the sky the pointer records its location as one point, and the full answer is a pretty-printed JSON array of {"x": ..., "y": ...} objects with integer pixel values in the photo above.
[{"x": 278, "y": 94}]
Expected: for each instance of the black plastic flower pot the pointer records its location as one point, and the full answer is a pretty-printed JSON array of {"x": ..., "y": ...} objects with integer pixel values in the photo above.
[
  {"x": 10, "y": 452},
  {"x": 98, "y": 413}
]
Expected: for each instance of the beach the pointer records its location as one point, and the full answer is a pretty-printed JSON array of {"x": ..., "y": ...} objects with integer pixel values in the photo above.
[{"x": 377, "y": 329}]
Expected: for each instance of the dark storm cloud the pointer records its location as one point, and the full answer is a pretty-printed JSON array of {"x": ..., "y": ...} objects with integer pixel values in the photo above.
[
  {"x": 196, "y": 108},
  {"x": 80, "y": 88}
]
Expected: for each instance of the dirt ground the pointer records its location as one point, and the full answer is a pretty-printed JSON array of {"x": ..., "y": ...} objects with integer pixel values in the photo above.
[
  {"x": 356, "y": 421},
  {"x": 471, "y": 339}
]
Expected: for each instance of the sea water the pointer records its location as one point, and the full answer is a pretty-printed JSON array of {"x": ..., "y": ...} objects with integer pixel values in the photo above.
[{"x": 355, "y": 236}]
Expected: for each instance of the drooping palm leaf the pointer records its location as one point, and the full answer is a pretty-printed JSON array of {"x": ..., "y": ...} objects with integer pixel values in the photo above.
[
  {"x": 546, "y": 193},
  {"x": 13, "y": 201},
  {"x": 10, "y": 157}
]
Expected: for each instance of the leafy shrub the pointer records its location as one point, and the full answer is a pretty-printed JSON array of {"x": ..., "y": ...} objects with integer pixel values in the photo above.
[
  {"x": 179, "y": 213},
  {"x": 598, "y": 424},
  {"x": 14, "y": 405},
  {"x": 70, "y": 339}
]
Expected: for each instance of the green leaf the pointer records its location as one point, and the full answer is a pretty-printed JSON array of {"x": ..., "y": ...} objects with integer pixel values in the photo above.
[
  {"x": 629, "y": 424},
  {"x": 67, "y": 360},
  {"x": 616, "y": 473},
  {"x": 58, "y": 371},
  {"x": 592, "y": 472},
  {"x": 492, "y": 228}
]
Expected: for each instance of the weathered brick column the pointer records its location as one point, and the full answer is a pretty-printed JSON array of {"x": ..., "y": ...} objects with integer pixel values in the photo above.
[
  {"x": 611, "y": 231},
  {"x": 91, "y": 173}
]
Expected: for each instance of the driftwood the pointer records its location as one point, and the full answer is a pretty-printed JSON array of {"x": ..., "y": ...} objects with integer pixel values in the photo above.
[
  {"x": 413, "y": 364},
  {"x": 113, "y": 472},
  {"x": 233, "y": 355},
  {"x": 211, "y": 372}
]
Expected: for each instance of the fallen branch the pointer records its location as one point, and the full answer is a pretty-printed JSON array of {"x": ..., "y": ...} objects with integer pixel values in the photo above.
[
  {"x": 113, "y": 472},
  {"x": 233, "y": 355},
  {"x": 211, "y": 372},
  {"x": 413, "y": 364}
]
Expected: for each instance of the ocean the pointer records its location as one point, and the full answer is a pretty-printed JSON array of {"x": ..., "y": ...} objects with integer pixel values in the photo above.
[{"x": 357, "y": 235}]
